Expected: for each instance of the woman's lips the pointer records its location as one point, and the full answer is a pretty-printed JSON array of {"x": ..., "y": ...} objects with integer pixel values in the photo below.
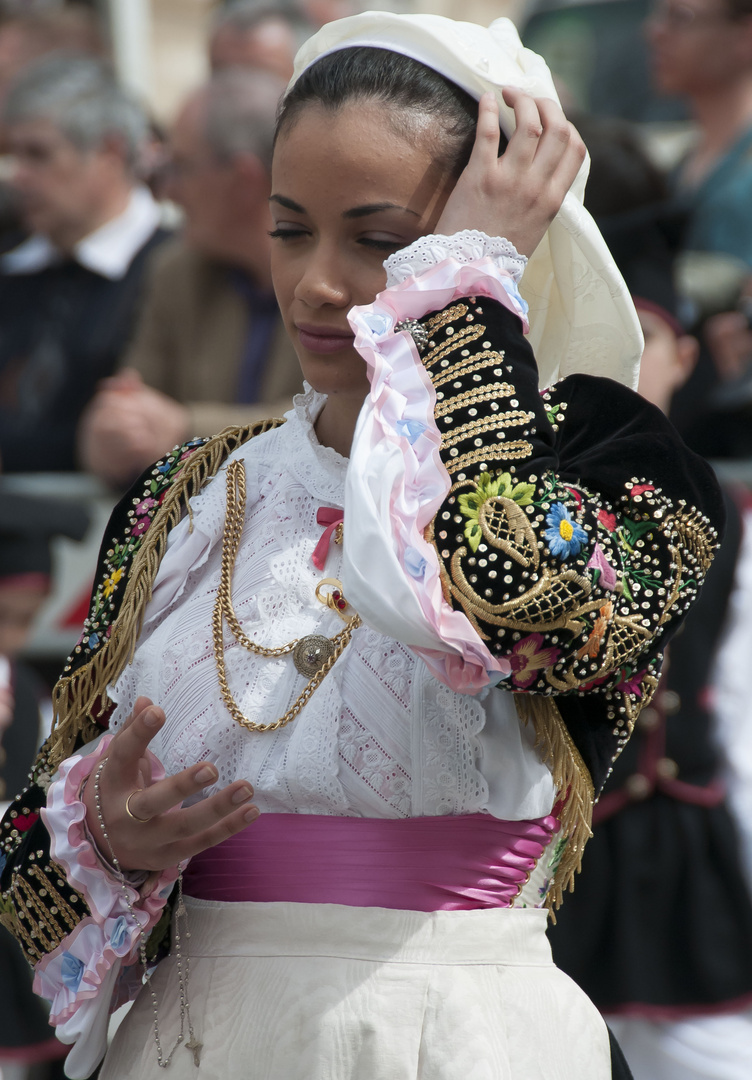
[{"x": 322, "y": 340}]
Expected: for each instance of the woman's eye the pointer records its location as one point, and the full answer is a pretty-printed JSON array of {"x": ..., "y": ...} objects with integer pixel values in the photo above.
[
  {"x": 286, "y": 233},
  {"x": 382, "y": 243}
]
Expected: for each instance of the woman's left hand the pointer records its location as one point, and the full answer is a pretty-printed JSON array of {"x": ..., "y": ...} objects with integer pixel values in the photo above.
[{"x": 517, "y": 195}]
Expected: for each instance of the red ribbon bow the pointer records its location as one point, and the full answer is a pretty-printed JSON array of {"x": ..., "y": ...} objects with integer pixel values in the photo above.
[{"x": 330, "y": 517}]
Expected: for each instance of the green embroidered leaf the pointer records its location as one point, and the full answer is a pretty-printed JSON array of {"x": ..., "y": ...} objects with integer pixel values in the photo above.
[
  {"x": 626, "y": 592},
  {"x": 522, "y": 494},
  {"x": 636, "y": 529},
  {"x": 470, "y": 504},
  {"x": 473, "y": 535}
]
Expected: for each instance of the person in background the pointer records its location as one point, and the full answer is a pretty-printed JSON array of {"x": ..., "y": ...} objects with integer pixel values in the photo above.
[
  {"x": 25, "y": 38},
  {"x": 659, "y": 929},
  {"x": 210, "y": 349},
  {"x": 702, "y": 50},
  {"x": 257, "y": 35},
  {"x": 27, "y": 529},
  {"x": 28, "y": 36},
  {"x": 69, "y": 294}
]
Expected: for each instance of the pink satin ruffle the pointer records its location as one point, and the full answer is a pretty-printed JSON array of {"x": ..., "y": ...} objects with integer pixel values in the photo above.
[
  {"x": 457, "y": 863},
  {"x": 401, "y": 404}
]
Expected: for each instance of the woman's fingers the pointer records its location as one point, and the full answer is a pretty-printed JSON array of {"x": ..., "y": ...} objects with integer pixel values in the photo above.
[
  {"x": 210, "y": 821},
  {"x": 130, "y": 745},
  {"x": 485, "y": 150},
  {"x": 155, "y": 841},
  {"x": 166, "y": 794}
]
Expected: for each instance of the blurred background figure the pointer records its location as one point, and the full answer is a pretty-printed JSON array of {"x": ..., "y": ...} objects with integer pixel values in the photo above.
[
  {"x": 24, "y": 38},
  {"x": 70, "y": 292},
  {"x": 702, "y": 50},
  {"x": 258, "y": 34},
  {"x": 27, "y": 528},
  {"x": 210, "y": 349},
  {"x": 663, "y": 894}
]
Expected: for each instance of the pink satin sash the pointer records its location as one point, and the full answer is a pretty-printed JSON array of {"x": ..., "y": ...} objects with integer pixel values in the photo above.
[{"x": 419, "y": 864}]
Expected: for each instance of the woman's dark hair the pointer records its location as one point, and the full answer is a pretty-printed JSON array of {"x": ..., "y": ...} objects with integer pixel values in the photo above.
[{"x": 403, "y": 85}]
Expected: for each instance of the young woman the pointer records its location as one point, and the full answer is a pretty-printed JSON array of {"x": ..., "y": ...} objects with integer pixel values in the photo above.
[{"x": 382, "y": 687}]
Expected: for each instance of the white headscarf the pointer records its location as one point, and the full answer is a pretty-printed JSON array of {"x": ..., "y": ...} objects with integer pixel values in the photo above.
[{"x": 582, "y": 318}]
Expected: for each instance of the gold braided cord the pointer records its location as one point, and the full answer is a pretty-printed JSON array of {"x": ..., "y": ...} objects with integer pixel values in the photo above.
[
  {"x": 455, "y": 342},
  {"x": 452, "y": 314},
  {"x": 514, "y": 418},
  {"x": 80, "y": 697},
  {"x": 467, "y": 366},
  {"x": 474, "y": 396},
  {"x": 505, "y": 451},
  {"x": 225, "y": 612},
  {"x": 572, "y": 782}
]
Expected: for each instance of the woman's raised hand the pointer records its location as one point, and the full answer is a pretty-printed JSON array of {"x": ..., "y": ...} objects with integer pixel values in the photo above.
[
  {"x": 518, "y": 194},
  {"x": 148, "y": 837}
]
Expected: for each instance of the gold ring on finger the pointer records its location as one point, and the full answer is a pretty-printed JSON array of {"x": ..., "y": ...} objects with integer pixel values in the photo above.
[{"x": 128, "y": 810}]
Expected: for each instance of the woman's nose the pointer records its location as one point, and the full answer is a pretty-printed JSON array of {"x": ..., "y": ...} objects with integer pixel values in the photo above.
[{"x": 323, "y": 281}]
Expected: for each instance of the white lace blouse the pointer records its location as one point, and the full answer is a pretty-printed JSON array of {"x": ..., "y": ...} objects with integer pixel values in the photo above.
[{"x": 380, "y": 737}]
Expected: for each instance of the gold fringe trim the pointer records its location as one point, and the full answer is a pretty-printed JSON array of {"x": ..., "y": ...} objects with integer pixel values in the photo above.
[
  {"x": 572, "y": 780},
  {"x": 78, "y": 698}
]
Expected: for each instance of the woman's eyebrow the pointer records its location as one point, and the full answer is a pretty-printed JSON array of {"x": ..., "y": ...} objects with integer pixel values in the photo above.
[
  {"x": 287, "y": 203},
  {"x": 375, "y": 208}
]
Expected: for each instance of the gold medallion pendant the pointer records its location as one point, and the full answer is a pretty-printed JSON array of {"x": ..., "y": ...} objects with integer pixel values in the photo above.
[
  {"x": 311, "y": 653},
  {"x": 314, "y": 655}
]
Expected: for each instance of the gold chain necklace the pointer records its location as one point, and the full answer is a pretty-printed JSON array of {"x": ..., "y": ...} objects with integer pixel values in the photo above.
[{"x": 313, "y": 655}]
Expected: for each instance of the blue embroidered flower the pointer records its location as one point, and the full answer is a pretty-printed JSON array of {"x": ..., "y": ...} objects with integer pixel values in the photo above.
[
  {"x": 3, "y": 861},
  {"x": 72, "y": 971},
  {"x": 564, "y": 537},
  {"x": 164, "y": 467},
  {"x": 93, "y": 641},
  {"x": 119, "y": 932}
]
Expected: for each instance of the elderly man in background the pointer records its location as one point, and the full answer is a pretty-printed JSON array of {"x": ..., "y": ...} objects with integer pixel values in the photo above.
[
  {"x": 69, "y": 293},
  {"x": 210, "y": 349}
]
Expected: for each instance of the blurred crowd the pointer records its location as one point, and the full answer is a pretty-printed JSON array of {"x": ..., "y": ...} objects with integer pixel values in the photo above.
[{"x": 136, "y": 312}]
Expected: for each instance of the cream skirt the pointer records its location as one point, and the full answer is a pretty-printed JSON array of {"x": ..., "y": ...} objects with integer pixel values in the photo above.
[{"x": 327, "y": 992}]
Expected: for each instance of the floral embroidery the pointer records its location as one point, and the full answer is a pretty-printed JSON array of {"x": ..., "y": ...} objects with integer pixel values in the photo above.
[
  {"x": 97, "y": 626},
  {"x": 489, "y": 487},
  {"x": 608, "y": 521},
  {"x": 111, "y": 582},
  {"x": 23, "y": 822},
  {"x": 597, "y": 635},
  {"x": 564, "y": 536},
  {"x": 602, "y": 569},
  {"x": 631, "y": 681},
  {"x": 527, "y": 657}
]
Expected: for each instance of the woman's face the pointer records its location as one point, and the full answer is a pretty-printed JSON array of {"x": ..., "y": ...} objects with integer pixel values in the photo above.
[{"x": 347, "y": 191}]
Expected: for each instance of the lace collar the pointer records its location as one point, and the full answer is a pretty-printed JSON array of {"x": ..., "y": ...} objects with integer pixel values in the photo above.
[{"x": 320, "y": 469}]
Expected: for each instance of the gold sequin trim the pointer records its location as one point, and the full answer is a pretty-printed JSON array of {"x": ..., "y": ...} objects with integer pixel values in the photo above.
[
  {"x": 449, "y": 345},
  {"x": 512, "y": 451},
  {"x": 515, "y": 418},
  {"x": 474, "y": 396},
  {"x": 467, "y": 366},
  {"x": 452, "y": 314}
]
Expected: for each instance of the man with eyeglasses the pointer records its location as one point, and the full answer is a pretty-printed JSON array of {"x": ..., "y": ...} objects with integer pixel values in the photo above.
[{"x": 702, "y": 50}]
